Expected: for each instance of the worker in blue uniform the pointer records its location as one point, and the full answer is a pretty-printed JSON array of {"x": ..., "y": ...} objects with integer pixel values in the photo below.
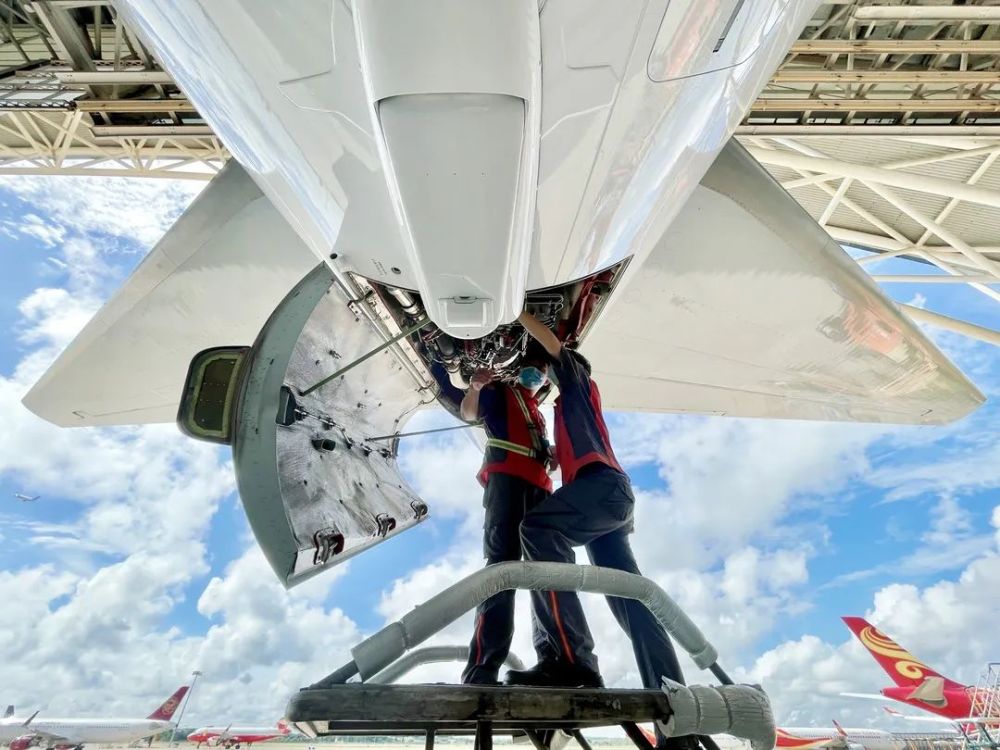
[
  {"x": 594, "y": 509},
  {"x": 515, "y": 479}
]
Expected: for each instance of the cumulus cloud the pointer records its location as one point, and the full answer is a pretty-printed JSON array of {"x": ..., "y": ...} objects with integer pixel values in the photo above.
[
  {"x": 947, "y": 624},
  {"x": 132, "y": 209}
]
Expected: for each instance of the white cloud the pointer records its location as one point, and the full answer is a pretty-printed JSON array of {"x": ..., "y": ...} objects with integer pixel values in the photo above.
[
  {"x": 123, "y": 207},
  {"x": 49, "y": 234},
  {"x": 949, "y": 625}
]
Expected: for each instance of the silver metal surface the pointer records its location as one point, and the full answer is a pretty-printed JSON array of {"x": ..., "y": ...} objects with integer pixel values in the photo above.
[{"x": 316, "y": 479}]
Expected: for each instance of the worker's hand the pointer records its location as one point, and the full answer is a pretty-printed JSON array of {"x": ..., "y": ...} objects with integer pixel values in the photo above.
[{"x": 480, "y": 379}]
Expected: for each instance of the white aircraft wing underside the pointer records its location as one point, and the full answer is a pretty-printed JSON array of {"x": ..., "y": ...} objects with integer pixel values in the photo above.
[
  {"x": 748, "y": 308},
  {"x": 212, "y": 280},
  {"x": 745, "y": 308}
]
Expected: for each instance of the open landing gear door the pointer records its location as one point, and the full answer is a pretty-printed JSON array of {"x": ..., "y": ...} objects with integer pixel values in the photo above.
[{"x": 316, "y": 488}]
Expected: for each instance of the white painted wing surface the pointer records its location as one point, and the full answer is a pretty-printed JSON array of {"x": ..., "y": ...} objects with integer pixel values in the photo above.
[
  {"x": 747, "y": 308},
  {"x": 211, "y": 281}
]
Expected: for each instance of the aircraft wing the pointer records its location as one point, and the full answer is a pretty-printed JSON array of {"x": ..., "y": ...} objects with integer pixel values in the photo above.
[
  {"x": 747, "y": 307},
  {"x": 869, "y": 696},
  {"x": 212, "y": 280}
]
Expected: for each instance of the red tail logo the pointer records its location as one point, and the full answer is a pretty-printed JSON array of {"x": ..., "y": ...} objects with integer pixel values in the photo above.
[
  {"x": 166, "y": 711},
  {"x": 902, "y": 666}
]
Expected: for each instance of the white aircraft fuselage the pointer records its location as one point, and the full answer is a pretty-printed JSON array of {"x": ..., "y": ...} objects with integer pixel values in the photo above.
[
  {"x": 83, "y": 731},
  {"x": 851, "y": 739},
  {"x": 542, "y": 174}
]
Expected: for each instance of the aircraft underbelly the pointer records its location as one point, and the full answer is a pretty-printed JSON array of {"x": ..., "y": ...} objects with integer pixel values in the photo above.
[{"x": 599, "y": 119}]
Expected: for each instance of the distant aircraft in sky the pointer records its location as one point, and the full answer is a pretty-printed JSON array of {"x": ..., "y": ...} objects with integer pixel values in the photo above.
[
  {"x": 917, "y": 684},
  {"x": 26, "y": 498},
  {"x": 63, "y": 734},
  {"x": 234, "y": 737}
]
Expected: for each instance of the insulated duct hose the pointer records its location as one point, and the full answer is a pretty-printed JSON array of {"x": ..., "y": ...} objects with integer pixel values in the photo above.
[
  {"x": 740, "y": 710},
  {"x": 387, "y": 645},
  {"x": 430, "y": 655}
]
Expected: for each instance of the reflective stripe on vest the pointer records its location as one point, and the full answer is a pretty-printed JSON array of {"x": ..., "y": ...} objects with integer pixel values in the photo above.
[
  {"x": 537, "y": 451},
  {"x": 512, "y": 447}
]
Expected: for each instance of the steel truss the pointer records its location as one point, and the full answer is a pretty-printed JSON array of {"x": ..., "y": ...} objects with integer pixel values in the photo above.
[
  {"x": 81, "y": 95},
  {"x": 883, "y": 121}
]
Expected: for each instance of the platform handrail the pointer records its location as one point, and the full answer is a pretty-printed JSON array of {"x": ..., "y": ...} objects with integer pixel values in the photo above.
[
  {"x": 378, "y": 651},
  {"x": 431, "y": 655}
]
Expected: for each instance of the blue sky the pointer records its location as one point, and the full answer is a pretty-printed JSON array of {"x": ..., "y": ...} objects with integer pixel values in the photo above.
[{"x": 137, "y": 565}]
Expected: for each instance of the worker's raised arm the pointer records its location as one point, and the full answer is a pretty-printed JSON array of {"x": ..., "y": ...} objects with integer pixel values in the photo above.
[
  {"x": 541, "y": 333},
  {"x": 469, "y": 410}
]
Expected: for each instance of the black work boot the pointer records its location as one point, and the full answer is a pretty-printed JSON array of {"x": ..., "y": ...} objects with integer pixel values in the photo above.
[
  {"x": 555, "y": 674},
  {"x": 482, "y": 677}
]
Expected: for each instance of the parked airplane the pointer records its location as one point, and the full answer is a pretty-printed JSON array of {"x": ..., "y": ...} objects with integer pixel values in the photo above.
[
  {"x": 917, "y": 684},
  {"x": 234, "y": 737},
  {"x": 410, "y": 177},
  {"x": 808, "y": 738},
  {"x": 62, "y": 734}
]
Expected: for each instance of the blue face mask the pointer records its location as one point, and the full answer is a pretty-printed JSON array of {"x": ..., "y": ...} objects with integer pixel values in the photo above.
[{"x": 531, "y": 378}]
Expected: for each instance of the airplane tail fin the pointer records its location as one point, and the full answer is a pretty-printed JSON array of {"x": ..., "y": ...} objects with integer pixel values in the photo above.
[
  {"x": 166, "y": 711},
  {"x": 283, "y": 727},
  {"x": 9, "y": 712},
  {"x": 840, "y": 729},
  {"x": 902, "y": 666}
]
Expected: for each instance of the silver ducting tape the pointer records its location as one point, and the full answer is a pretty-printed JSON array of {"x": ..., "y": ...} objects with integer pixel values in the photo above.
[
  {"x": 375, "y": 653},
  {"x": 430, "y": 655},
  {"x": 740, "y": 710}
]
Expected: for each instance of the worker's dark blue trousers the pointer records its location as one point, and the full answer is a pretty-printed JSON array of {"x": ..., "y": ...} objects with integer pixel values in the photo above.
[
  {"x": 594, "y": 510},
  {"x": 506, "y": 500}
]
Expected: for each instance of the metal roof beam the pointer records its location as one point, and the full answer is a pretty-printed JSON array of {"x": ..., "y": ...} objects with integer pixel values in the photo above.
[
  {"x": 973, "y": 13},
  {"x": 895, "y": 46},
  {"x": 134, "y": 105},
  {"x": 806, "y": 75},
  {"x": 947, "y": 235},
  {"x": 893, "y": 248},
  {"x": 879, "y": 175},
  {"x": 154, "y": 131},
  {"x": 921, "y": 315},
  {"x": 125, "y": 76},
  {"x": 805, "y": 131},
  {"x": 775, "y": 104}
]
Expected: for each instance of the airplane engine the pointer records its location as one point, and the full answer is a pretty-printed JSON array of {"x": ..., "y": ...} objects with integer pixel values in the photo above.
[{"x": 24, "y": 742}]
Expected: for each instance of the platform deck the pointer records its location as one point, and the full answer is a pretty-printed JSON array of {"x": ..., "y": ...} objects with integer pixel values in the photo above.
[{"x": 455, "y": 709}]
